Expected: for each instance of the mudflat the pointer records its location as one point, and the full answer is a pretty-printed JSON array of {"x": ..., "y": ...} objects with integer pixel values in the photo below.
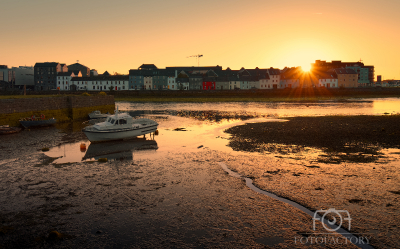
[
  {"x": 347, "y": 163},
  {"x": 178, "y": 200}
]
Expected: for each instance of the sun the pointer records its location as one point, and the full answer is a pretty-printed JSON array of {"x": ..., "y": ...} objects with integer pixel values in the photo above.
[{"x": 306, "y": 67}]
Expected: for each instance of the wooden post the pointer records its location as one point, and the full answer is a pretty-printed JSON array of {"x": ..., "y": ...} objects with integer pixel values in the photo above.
[{"x": 24, "y": 89}]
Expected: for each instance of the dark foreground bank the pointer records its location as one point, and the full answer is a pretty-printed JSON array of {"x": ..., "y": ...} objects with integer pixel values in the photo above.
[
  {"x": 333, "y": 134},
  {"x": 346, "y": 163}
]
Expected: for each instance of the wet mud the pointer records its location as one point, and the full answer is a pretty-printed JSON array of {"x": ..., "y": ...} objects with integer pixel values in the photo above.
[
  {"x": 178, "y": 200},
  {"x": 180, "y": 197},
  {"x": 347, "y": 163},
  {"x": 341, "y": 138}
]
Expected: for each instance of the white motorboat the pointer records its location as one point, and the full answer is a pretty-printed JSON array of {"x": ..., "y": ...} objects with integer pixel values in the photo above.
[
  {"x": 119, "y": 126},
  {"x": 98, "y": 114}
]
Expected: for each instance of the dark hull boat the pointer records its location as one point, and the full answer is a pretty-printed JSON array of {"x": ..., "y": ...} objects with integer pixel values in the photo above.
[
  {"x": 39, "y": 122},
  {"x": 5, "y": 129}
]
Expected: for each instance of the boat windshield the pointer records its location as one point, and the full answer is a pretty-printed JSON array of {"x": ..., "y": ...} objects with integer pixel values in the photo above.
[{"x": 111, "y": 121}]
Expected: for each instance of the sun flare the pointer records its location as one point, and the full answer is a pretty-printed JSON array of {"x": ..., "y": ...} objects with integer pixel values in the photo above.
[{"x": 306, "y": 67}]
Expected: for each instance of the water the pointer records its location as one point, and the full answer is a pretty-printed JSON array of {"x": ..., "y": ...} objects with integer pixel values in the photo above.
[
  {"x": 188, "y": 127},
  {"x": 377, "y": 106}
]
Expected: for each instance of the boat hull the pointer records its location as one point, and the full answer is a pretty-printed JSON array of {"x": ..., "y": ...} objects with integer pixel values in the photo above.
[
  {"x": 9, "y": 130},
  {"x": 100, "y": 136},
  {"x": 33, "y": 123}
]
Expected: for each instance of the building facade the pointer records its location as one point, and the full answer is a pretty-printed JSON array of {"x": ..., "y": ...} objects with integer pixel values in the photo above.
[
  {"x": 45, "y": 75},
  {"x": 64, "y": 80},
  {"x": 101, "y": 83},
  {"x": 346, "y": 78}
]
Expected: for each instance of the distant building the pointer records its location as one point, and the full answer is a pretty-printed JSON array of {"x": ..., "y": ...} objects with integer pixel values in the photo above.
[
  {"x": 64, "y": 79},
  {"x": 182, "y": 83},
  {"x": 195, "y": 81},
  {"x": 321, "y": 67},
  {"x": 222, "y": 83},
  {"x": 328, "y": 80},
  {"x": 45, "y": 75},
  {"x": 93, "y": 72},
  {"x": 147, "y": 67},
  {"x": 347, "y": 78},
  {"x": 290, "y": 77},
  {"x": 7, "y": 75},
  {"x": 101, "y": 83},
  {"x": 149, "y": 77},
  {"x": 24, "y": 76},
  {"x": 79, "y": 67}
]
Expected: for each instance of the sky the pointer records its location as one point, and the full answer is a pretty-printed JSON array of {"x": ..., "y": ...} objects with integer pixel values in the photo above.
[{"x": 119, "y": 35}]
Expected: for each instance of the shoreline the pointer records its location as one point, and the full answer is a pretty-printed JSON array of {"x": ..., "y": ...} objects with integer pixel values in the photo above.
[{"x": 252, "y": 95}]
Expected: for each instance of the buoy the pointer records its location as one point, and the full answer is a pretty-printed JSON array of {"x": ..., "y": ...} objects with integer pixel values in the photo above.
[
  {"x": 83, "y": 147},
  {"x": 42, "y": 116}
]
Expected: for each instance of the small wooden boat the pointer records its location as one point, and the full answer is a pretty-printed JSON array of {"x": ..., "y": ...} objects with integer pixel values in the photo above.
[
  {"x": 5, "y": 129},
  {"x": 37, "y": 122}
]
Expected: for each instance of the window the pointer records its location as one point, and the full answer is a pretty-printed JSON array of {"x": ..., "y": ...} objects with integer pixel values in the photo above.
[{"x": 94, "y": 87}]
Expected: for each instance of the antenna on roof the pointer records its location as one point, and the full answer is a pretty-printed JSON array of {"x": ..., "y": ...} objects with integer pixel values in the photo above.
[{"x": 198, "y": 58}]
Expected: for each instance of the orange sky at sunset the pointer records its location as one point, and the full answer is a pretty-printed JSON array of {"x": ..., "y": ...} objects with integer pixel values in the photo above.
[{"x": 122, "y": 34}]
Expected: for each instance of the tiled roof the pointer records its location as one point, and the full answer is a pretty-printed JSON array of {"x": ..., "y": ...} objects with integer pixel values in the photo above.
[
  {"x": 147, "y": 66},
  {"x": 46, "y": 64},
  {"x": 77, "y": 64}
]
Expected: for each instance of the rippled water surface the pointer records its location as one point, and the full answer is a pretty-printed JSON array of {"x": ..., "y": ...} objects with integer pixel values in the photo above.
[
  {"x": 281, "y": 109},
  {"x": 186, "y": 127}
]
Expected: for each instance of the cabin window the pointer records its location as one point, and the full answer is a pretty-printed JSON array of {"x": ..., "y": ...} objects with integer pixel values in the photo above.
[
  {"x": 112, "y": 121},
  {"x": 116, "y": 122},
  {"x": 122, "y": 121}
]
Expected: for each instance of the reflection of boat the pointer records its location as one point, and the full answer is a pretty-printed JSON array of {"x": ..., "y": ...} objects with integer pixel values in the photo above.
[
  {"x": 5, "y": 129},
  {"x": 38, "y": 122},
  {"x": 119, "y": 126},
  {"x": 98, "y": 114},
  {"x": 118, "y": 149}
]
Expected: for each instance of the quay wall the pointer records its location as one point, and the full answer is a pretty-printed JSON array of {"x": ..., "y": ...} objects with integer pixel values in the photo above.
[{"x": 63, "y": 108}]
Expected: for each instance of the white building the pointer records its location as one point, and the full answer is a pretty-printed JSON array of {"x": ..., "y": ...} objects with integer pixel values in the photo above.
[
  {"x": 272, "y": 81},
  {"x": 148, "y": 82},
  {"x": 64, "y": 79},
  {"x": 101, "y": 83},
  {"x": 328, "y": 81}
]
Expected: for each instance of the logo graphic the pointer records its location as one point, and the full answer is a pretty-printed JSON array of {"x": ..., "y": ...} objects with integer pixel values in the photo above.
[{"x": 336, "y": 216}]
